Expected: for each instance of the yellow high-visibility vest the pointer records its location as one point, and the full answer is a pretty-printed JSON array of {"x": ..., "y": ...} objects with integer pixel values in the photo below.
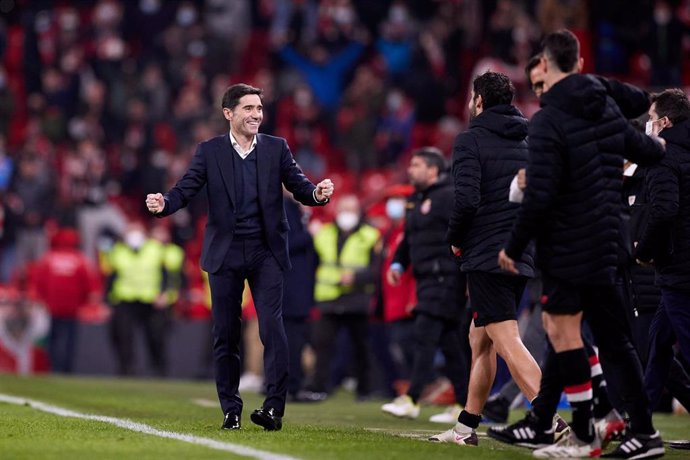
[
  {"x": 138, "y": 274},
  {"x": 356, "y": 254}
]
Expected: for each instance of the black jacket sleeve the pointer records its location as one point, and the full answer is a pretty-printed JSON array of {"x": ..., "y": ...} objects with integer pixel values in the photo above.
[
  {"x": 544, "y": 172},
  {"x": 631, "y": 100},
  {"x": 467, "y": 177},
  {"x": 663, "y": 189},
  {"x": 402, "y": 253},
  {"x": 640, "y": 148}
]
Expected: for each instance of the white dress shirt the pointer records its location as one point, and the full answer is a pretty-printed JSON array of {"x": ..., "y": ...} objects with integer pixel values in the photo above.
[{"x": 242, "y": 153}]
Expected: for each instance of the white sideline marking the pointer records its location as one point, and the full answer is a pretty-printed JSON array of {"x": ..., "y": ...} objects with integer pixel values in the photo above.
[
  {"x": 205, "y": 402},
  {"x": 146, "y": 429}
]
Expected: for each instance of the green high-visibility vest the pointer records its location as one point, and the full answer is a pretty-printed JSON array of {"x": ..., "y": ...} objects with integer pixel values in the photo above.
[
  {"x": 173, "y": 260},
  {"x": 356, "y": 254},
  {"x": 138, "y": 274}
]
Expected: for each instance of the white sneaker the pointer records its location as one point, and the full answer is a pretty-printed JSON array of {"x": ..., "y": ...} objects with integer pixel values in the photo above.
[
  {"x": 402, "y": 406},
  {"x": 450, "y": 415},
  {"x": 462, "y": 438},
  {"x": 609, "y": 426},
  {"x": 560, "y": 428},
  {"x": 251, "y": 383},
  {"x": 570, "y": 447}
]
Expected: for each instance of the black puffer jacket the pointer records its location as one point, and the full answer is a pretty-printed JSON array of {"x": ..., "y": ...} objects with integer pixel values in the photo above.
[
  {"x": 644, "y": 293},
  {"x": 486, "y": 157},
  {"x": 440, "y": 285},
  {"x": 667, "y": 235},
  {"x": 572, "y": 203}
]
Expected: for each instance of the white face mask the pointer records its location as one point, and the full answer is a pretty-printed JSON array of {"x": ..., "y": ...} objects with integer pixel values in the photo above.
[
  {"x": 347, "y": 220},
  {"x": 135, "y": 239},
  {"x": 649, "y": 128},
  {"x": 395, "y": 208}
]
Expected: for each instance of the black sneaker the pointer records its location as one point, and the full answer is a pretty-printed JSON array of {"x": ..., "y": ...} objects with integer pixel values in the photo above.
[
  {"x": 524, "y": 433},
  {"x": 638, "y": 446},
  {"x": 496, "y": 410}
]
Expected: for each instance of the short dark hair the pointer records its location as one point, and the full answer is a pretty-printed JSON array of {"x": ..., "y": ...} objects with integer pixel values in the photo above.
[
  {"x": 562, "y": 48},
  {"x": 432, "y": 157},
  {"x": 672, "y": 103},
  {"x": 234, "y": 93},
  {"x": 494, "y": 88},
  {"x": 532, "y": 63}
]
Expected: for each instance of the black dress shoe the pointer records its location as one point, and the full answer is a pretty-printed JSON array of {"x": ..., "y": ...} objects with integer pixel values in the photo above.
[
  {"x": 268, "y": 418},
  {"x": 231, "y": 422}
]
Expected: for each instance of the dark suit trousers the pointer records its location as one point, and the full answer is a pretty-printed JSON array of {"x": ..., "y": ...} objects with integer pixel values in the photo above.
[{"x": 248, "y": 259}]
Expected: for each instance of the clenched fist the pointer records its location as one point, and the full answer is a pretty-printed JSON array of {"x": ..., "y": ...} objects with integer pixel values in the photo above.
[
  {"x": 324, "y": 190},
  {"x": 155, "y": 203}
]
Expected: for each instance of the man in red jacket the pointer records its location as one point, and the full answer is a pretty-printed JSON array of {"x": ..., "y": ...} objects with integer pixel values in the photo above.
[{"x": 64, "y": 280}]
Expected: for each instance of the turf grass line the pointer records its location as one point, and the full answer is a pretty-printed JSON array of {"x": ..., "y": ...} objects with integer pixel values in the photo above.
[{"x": 147, "y": 429}]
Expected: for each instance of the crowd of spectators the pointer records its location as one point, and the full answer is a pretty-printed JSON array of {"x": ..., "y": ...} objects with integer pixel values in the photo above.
[{"x": 103, "y": 101}]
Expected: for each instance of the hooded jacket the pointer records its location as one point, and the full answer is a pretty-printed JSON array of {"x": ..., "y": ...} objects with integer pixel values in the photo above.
[
  {"x": 486, "y": 157},
  {"x": 666, "y": 238},
  {"x": 572, "y": 204}
]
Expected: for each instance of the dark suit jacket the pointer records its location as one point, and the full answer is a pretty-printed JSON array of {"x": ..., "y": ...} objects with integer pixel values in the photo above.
[{"x": 212, "y": 166}]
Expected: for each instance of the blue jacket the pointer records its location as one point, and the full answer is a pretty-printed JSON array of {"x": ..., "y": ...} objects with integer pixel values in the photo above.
[{"x": 212, "y": 166}]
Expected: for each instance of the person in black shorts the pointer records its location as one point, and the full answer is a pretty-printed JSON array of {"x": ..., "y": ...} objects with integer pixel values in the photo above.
[
  {"x": 573, "y": 208},
  {"x": 485, "y": 159}
]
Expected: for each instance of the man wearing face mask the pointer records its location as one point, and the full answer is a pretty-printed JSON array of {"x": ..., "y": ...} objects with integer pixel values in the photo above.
[
  {"x": 665, "y": 242},
  {"x": 439, "y": 316},
  {"x": 138, "y": 291},
  {"x": 348, "y": 251},
  {"x": 398, "y": 300}
]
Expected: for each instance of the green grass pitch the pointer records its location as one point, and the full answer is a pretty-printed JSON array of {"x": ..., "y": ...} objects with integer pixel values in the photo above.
[{"x": 336, "y": 429}]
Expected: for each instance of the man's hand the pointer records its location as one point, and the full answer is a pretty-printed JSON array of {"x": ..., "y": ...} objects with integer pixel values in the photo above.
[
  {"x": 155, "y": 203},
  {"x": 522, "y": 179},
  {"x": 506, "y": 263},
  {"x": 457, "y": 252},
  {"x": 324, "y": 190},
  {"x": 347, "y": 278},
  {"x": 393, "y": 276}
]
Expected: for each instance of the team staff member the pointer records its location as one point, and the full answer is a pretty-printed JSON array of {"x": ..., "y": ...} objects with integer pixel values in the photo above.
[
  {"x": 572, "y": 206},
  {"x": 485, "y": 159},
  {"x": 246, "y": 239},
  {"x": 440, "y": 318}
]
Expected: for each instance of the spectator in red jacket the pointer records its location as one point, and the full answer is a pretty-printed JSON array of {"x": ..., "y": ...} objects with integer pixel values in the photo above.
[
  {"x": 64, "y": 280},
  {"x": 398, "y": 300}
]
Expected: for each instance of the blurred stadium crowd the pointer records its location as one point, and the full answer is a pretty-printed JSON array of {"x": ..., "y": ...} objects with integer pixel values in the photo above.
[{"x": 104, "y": 101}]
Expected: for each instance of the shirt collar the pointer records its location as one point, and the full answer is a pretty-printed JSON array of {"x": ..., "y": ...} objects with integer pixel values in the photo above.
[{"x": 237, "y": 146}]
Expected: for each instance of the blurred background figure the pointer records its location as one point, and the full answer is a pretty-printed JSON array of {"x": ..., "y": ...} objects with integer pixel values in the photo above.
[
  {"x": 137, "y": 276},
  {"x": 64, "y": 280},
  {"x": 348, "y": 251},
  {"x": 440, "y": 317},
  {"x": 398, "y": 300},
  {"x": 298, "y": 296},
  {"x": 23, "y": 325}
]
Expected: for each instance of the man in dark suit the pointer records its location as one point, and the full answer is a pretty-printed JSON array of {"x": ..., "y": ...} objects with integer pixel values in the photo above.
[{"x": 246, "y": 239}]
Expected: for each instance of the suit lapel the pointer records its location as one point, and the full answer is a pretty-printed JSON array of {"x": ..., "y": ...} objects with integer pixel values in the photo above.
[
  {"x": 263, "y": 167},
  {"x": 226, "y": 167}
]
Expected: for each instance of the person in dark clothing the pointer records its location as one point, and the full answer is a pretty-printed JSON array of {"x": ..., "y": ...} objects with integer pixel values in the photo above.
[
  {"x": 485, "y": 159},
  {"x": 440, "y": 309},
  {"x": 633, "y": 102},
  {"x": 298, "y": 299},
  {"x": 644, "y": 295},
  {"x": 572, "y": 207},
  {"x": 665, "y": 241}
]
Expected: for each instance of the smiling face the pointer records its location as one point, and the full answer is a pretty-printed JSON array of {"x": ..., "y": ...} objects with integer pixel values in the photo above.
[{"x": 246, "y": 117}]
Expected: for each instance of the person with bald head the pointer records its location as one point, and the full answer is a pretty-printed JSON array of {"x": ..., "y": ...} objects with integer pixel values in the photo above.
[{"x": 348, "y": 251}]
